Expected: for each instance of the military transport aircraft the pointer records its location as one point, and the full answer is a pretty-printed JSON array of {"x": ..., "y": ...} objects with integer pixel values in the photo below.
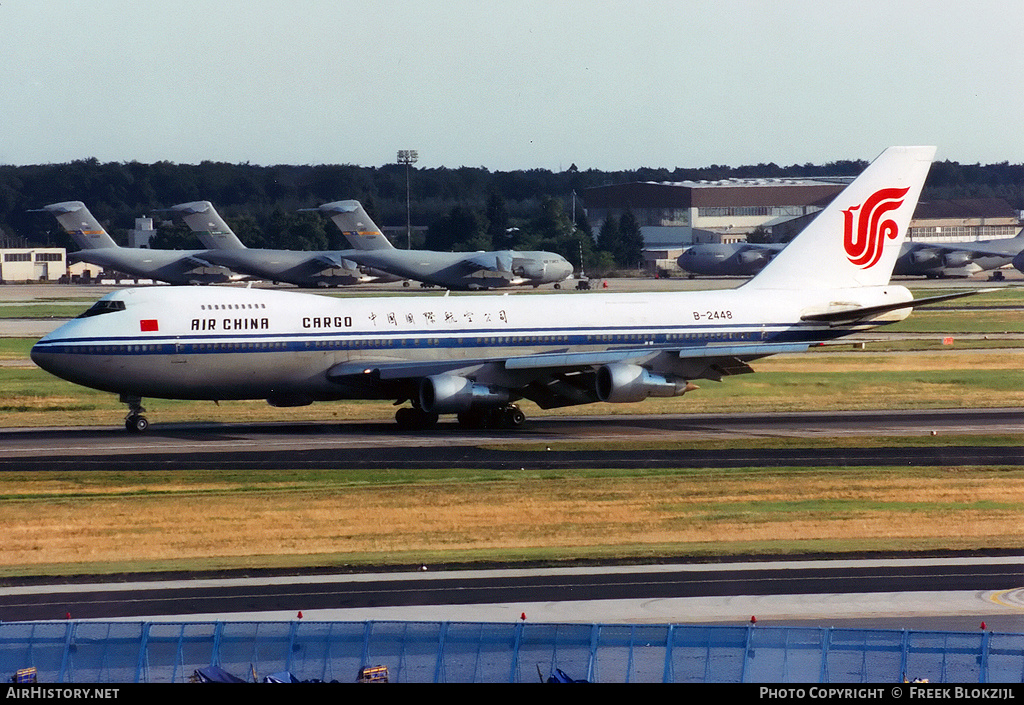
[
  {"x": 728, "y": 259},
  {"x": 372, "y": 257},
  {"x": 957, "y": 259},
  {"x": 475, "y": 356},
  {"x": 454, "y": 270},
  {"x": 470, "y": 271},
  {"x": 928, "y": 259},
  {"x": 302, "y": 268},
  {"x": 171, "y": 266}
]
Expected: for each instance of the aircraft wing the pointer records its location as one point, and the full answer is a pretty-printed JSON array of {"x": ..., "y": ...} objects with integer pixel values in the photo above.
[
  {"x": 951, "y": 255},
  {"x": 1007, "y": 247},
  {"x": 192, "y": 261},
  {"x": 556, "y": 379},
  {"x": 489, "y": 261},
  {"x": 335, "y": 260},
  {"x": 408, "y": 264}
]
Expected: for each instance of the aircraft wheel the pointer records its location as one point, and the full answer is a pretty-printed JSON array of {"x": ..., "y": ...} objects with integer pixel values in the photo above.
[
  {"x": 513, "y": 417},
  {"x": 136, "y": 424},
  {"x": 471, "y": 419},
  {"x": 412, "y": 419},
  {"x": 558, "y": 286}
]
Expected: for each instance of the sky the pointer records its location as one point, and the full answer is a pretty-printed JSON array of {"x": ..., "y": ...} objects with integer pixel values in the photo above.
[{"x": 508, "y": 84}]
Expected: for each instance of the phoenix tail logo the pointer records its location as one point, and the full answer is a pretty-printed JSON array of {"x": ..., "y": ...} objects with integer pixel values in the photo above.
[{"x": 865, "y": 229}]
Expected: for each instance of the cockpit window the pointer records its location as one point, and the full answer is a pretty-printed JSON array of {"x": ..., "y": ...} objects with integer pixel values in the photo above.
[{"x": 101, "y": 307}]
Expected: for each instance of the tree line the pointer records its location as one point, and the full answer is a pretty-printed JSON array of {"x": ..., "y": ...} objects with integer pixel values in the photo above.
[{"x": 459, "y": 209}]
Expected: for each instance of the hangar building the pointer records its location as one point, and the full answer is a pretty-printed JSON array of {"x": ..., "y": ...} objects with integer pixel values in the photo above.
[
  {"x": 22, "y": 264},
  {"x": 677, "y": 214}
]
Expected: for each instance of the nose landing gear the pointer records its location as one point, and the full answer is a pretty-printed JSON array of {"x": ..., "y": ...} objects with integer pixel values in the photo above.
[{"x": 135, "y": 422}]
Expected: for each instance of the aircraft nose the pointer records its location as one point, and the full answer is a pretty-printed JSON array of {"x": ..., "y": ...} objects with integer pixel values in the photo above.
[{"x": 40, "y": 357}]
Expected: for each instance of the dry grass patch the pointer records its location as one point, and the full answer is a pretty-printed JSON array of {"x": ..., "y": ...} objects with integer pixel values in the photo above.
[{"x": 571, "y": 515}]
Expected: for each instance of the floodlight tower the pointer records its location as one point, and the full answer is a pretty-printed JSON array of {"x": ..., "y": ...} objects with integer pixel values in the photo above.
[{"x": 407, "y": 157}]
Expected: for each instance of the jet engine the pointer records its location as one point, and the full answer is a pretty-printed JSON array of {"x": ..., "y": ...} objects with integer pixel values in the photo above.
[
  {"x": 449, "y": 394},
  {"x": 754, "y": 256},
  {"x": 955, "y": 260},
  {"x": 925, "y": 257},
  {"x": 530, "y": 269},
  {"x": 619, "y": 382}
]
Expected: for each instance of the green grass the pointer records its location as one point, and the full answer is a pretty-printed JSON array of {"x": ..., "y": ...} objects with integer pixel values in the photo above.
[
  {"x": 731, "y": 502},
  {"x": 922, "y": 374},
  {"x": 44, "y": 310}
]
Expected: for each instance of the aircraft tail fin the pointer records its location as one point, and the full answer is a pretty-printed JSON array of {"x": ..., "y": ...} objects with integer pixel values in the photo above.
[
  {"x": 80, "y": 224},
  {"x": 855, "y": 241},
  {"x": 357, "y": 227},
  {"x": 203, "y": 219}
]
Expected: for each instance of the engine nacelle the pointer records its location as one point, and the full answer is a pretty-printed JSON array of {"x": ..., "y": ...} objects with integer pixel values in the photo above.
[
  {"x": 449, "y": 394},
  {"x": 955, "y": 260},
  {"x": 753, "y": 257},
  {"x": 620, "y": 383},
  {"x": 925, "y": 257},
  {"x": 530, "y": 269}
]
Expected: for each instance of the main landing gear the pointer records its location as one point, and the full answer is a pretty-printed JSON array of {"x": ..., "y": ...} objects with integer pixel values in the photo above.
[
  {"x": 134, "y": 422},
  {"x": 415, "y": 419},
  {"x": 509, "y": 417}
]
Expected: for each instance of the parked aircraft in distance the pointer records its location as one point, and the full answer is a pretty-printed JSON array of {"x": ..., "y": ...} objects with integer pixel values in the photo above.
[
  {"x": 1018, "y": 262},
  {"x": 302, "y": 268},
  {"x": 934, "y": 260},
  {"x": 475, "y": 356},
  {"x": 171, "y": 266},
  {"x": 957, "y": 259},
  {"x": 724, "y": 260},
  {"x": 460, "y": 270}
]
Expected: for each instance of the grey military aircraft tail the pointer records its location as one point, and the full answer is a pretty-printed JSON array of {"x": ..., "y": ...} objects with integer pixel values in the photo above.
[
  {"x": 98, "y": 248},
  {"x": 355, "y": 224},
  {"x": 298, "y": 267}
]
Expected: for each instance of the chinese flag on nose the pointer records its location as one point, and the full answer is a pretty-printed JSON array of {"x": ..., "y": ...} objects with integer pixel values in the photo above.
[{"x": 149, "y": 325}]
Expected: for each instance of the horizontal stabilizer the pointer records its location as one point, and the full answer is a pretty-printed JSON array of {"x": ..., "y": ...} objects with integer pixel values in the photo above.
[{"x": 854, "y": 315}]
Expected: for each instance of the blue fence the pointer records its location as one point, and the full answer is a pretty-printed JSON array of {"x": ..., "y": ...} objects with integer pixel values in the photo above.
[{"x": 450, "y": 652}]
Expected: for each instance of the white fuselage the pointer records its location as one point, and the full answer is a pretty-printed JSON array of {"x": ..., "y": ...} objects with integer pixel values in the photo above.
[{"x": 224, "y": 343}]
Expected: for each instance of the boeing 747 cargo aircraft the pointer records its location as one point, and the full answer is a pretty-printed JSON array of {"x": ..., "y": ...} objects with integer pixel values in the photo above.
[{"x": 476, "y": 356}]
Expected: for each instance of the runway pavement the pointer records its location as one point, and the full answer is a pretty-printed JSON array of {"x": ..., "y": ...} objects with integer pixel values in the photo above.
[
  {"x": 952, "y": 593},
  {"x": 324, "y": 445},
  {"x": 942, "y": 593}
]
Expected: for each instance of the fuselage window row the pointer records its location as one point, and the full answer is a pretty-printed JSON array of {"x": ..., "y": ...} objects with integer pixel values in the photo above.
[
  {"x": 230, "y": 307},
  {"x": 378, "y": 343}
]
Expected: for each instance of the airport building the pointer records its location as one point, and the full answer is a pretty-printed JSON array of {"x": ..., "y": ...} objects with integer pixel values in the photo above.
[
  {"x": 678, "y": 214},
  {"x": 675, "y": 215},
  {"x": 22, "y": 264},
  {"x": 964, "y": 221}
]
